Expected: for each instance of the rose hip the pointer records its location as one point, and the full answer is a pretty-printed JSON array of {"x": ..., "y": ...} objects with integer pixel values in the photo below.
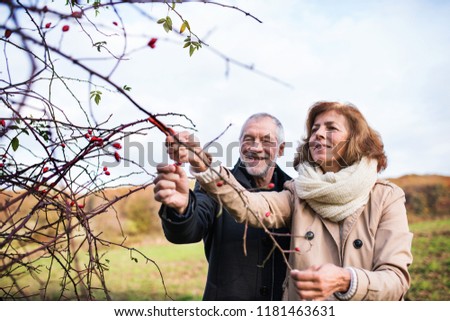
[
  {"x": 152, "y": 43},
  {"x": 117, "y": 146}
]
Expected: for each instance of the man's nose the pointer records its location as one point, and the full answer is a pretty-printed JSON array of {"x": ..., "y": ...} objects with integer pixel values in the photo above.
[{"x": 256, "y": 145}]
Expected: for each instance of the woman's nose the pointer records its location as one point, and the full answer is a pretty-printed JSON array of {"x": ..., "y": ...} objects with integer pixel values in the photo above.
[{"x": 320, "y": 133}]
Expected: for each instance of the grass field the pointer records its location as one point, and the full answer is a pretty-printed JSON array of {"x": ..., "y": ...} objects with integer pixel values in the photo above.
[
  {"x": 184, "y": 268},
  {"x": 430, "y": 271}
]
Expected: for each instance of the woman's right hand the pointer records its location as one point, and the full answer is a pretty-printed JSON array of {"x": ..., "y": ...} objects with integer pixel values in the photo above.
[
  {"x": 184, "y": 147},
  {"x": 319, "y": 282}
]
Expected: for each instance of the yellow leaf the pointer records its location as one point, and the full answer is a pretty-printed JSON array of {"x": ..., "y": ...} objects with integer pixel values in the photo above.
[{"x": 183, "y": 27}]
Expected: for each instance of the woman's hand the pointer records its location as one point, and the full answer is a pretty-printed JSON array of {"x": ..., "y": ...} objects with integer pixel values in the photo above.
[
  {"x": 184, "y": 147},
  {"x": 320, "y": 282}
]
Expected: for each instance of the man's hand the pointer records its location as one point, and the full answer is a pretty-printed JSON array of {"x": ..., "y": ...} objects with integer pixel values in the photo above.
[{"x": 172, "y": 187}]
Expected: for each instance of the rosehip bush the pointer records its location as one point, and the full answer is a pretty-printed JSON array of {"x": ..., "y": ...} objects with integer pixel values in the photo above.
[
  {"x": 55, "y": 140},
  {"x": 54, "y": 146}
]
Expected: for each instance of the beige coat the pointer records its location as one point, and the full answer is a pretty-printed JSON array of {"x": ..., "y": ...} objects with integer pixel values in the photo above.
[{"x": 375, "y": 240}]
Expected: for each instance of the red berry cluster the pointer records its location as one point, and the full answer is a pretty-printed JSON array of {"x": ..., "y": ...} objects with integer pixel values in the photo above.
[
  {"x": 116, "y": 154},
  {"x": 65, "y": 28},
  {"x": 78, "y": 205}
]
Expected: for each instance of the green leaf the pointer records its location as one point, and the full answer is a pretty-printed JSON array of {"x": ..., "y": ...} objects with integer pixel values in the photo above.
[
  {"x": 187, "y": 44},
  {"x": 187, "y": 25},
  {"x": 97, "y": 95},
  {"x": 191, "y": 50},
  {"x": 126, "y": 87},
  {"x": 99, "y": 45},
  {"x": 15, "y": 143},
  {"x": 169, "y": 22},
  {"x": 162, "y": 20},
  {"x": 197, "y": 44},
  {"x": 166, "y": 27}
]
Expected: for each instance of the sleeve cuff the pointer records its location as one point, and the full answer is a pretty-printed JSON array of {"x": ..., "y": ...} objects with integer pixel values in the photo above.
[
  {"x": 208, "y": 176},
  {"x": 352, "y": 288},
  {"x": 169, "y": 214}
]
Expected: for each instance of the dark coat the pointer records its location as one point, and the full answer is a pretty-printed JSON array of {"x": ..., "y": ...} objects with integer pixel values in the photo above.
[{"x": 231, "y": 274}]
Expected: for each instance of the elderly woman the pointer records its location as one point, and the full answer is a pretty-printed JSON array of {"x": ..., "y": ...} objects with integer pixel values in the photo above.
[{"x": 349, "y": 231}]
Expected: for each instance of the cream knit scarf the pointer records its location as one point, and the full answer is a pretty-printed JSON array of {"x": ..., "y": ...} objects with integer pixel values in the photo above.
[{"x": 335, "y": 196}]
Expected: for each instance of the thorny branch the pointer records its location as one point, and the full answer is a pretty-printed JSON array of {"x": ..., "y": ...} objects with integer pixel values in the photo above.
[{"x": 54, "y": 183}]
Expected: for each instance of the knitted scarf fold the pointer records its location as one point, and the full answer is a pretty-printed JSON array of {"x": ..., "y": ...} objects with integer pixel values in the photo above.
[{"x": 335, "y": 196}]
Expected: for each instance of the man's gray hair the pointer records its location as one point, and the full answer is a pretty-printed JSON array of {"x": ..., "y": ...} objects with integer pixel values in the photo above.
[{"x": 280, "y": 129}]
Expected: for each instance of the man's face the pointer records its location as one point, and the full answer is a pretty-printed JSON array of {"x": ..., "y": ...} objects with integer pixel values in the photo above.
[{"x": 259, "y": 147}]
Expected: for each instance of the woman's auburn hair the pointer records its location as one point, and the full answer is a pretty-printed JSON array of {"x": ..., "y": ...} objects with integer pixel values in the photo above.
[{"x": 363, "y": 140}]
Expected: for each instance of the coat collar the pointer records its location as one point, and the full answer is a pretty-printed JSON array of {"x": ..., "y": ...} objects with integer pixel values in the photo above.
[{"x": 340, "y": 231}]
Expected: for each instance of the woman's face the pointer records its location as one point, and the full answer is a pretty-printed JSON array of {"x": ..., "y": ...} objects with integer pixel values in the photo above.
[{"x": 328, "y": 141}]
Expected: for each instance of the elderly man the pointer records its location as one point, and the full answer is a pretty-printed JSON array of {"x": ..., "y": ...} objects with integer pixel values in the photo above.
[{"x": 190, "y": 216}]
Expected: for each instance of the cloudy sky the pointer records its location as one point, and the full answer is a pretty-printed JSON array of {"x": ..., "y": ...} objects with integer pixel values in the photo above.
[{"x": 389, "y": 58}]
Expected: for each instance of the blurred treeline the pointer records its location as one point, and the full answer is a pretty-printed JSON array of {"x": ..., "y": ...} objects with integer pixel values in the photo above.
[{"x": 136, "y": 216}]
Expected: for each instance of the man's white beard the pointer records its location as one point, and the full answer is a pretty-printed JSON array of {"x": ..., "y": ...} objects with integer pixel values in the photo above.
[{"x": 258, "y": 171}]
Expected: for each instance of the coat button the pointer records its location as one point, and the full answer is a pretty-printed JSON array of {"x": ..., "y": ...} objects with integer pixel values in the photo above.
[
  {"x": 264, "y": 291},
  {"x": 309, "y": 235},
  {"x": 357, "y": 244}
]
